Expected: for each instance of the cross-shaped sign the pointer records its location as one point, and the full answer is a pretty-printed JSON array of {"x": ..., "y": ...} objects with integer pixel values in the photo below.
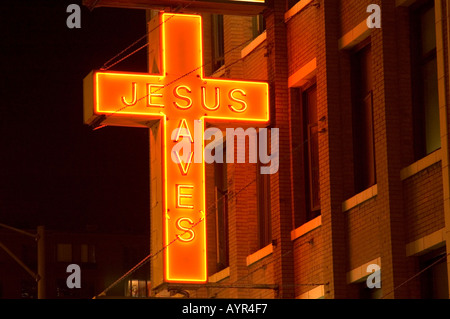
[{"x": 172, "y": 101}]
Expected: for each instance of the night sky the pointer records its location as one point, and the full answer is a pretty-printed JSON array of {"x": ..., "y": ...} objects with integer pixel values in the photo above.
[{"x": 55, "y": 170}]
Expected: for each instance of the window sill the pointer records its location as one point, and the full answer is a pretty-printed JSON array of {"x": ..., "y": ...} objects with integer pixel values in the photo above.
[
  {"x": 426, "y": 243},
  {"x": 303, "y": 75},
  {"x": 360, "y": 273},
  {"x": 299, "y": 6},
  {"x": 421, "y": 165},
  {"x": 360, "y": 198},
  {"x": 306, "y": 228},
  {"x": 354, "y": 36},
  {"x": 260, "y": 254},
  {"x": 315, "y": 293},
  {"x": 254, "y": 44},
  {"x": 221, "y": 275},
  {"x": 220, "y": 72}
]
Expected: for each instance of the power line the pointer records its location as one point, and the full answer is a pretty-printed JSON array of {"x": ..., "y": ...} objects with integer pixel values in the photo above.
[
  {"x": 209, "y": 211},
  {"x": 106, "y": 66},
  {"x": 150, "y": 256},
  {"x": 416, "y": 275},
  {"x": 97, "y": 125}
]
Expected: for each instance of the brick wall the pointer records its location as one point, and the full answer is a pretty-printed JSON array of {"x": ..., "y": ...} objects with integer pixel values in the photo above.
[
  {"x": 380, "y": 227},
  {"x": 308, "y": 257},
  {"x": 352, "y": 13},
  {"x": 238, "y": 31},
  {"x": 303, "y": 38},
  {"x": 262, "y": 272},
  {"x": 255, "y": 64},
  {"x": 424, "y": 210},
  {"x": 362, "y": 234}
]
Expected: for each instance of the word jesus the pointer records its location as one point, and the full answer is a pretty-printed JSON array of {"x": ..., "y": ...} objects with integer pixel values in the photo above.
[{"x": 183, "y": 97}]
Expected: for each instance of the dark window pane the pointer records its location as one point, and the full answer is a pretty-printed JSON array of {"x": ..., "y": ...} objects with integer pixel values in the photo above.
[
  {"x": 311, "y": 152},
  {"x": 363, "y": 130}
]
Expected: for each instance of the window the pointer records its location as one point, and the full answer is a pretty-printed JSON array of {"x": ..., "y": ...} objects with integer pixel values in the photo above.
[
  {"x": 425, "y": 80},
  {"x": 63, "y": 292},
  {"x": 218, "y": 48},
  {"x": 311, "y": 152},
  {"x": 434, "y": 280},
  {"x": 368, "y": 293},
  {"x": 137, "y": 288},
  {"x": 221, "y": 200},
  {"x": 29, "y": 255},
  {"x": 64, "y": 253},
  {"x": 258, "y": 25},
  {"x": 28, "y": 289},
  {"x": 263, "y": 203},
  {"x": 291, "y": 3},
  {"x": 362, "y": 112},
  {"x": 87, "y": 253},
  {"x": 84, "y": 253}
]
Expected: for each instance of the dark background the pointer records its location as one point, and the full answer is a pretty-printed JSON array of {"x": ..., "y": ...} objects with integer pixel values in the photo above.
[{"x": 55, "y": 170}]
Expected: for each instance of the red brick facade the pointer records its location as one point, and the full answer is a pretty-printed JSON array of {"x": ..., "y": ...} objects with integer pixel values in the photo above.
[{"x": 328, "y": 256}]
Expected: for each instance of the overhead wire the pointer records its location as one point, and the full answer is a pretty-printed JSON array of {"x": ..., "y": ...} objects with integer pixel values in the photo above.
[
  {"x": 175, "y": 80},
  {"x": 227, "y": 66},
  {"x": 97, "y": 125},
  {"x": 209, "y": 211},
  {"x": 416, "y": 275},
  {"x": 107, "y": 65}
]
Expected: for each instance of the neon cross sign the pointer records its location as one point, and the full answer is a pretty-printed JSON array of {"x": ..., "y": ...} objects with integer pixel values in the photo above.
[{"x": 174, "y": 99}]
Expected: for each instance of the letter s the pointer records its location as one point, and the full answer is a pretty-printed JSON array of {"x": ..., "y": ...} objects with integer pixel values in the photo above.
[
  {"x": 185, "y": 98},
  {"x": 186, "y": 230},
  {"x": 233, "y": 98}
]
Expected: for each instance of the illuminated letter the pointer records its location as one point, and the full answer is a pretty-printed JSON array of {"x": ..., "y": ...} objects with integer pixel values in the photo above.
[
  {"x": 151, "y": 94},
  {"x": 216, "y": 106},
  {"x": 134, "y": 94},
  {"x": 181, "y": 196},
  {"x": 184, "y": 98},
  {"x": 232, "y": 97},
  {"x": 186, "y": 230},
  {"x": 182, "y": 130},
  {"x": 185, "y": 146},
  {"x": 184, "y": 168}
]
